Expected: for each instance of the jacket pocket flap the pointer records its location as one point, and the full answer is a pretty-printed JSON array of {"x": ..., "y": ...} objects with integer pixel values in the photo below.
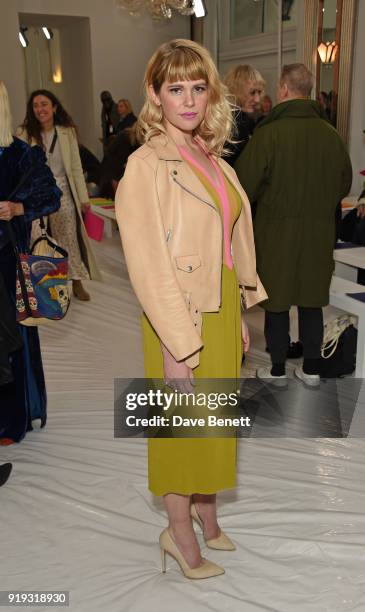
[{"x": 188, "y": 263}]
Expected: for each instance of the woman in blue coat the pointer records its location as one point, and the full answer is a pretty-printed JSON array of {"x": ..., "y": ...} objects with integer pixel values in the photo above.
[{"x": 24, "y": 398}]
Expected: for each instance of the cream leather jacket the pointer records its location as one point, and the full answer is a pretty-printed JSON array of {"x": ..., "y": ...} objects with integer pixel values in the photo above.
[{"x": 172, "y": 238}]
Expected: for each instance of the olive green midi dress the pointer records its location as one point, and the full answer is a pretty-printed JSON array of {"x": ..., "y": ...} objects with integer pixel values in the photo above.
[{"x": 202, "y": 465}]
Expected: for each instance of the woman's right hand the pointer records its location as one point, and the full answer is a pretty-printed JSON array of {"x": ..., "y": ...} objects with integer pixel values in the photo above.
[
  {"x": 177, "y": 374},
  {"x": 8, "y": 210}
]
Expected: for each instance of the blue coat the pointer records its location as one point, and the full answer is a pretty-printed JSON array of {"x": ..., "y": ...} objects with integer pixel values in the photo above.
[
  {"x": 25, "y": 398},
  {"x": 39, "y": 194}
]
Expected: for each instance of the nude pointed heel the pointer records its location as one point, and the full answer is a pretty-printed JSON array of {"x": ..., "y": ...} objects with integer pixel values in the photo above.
[
  {"x": 222, "y": 542},
  {"x": 206, "y": 569}
]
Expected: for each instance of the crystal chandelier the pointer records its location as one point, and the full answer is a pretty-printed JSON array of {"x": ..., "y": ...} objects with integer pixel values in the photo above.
[{"x": 159, "y": 9}]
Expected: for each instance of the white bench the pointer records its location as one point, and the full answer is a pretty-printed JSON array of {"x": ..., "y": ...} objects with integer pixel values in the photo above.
[
  {"x": 348, "y": 262},
  {"x": 338, "y": 298},
  {"x": 108, "y": 214}
]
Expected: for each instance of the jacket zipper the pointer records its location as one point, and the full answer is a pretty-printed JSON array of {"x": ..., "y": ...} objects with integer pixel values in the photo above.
[
  {"x": 193, "y": 194},
  {"x": 205, "y": 202}
]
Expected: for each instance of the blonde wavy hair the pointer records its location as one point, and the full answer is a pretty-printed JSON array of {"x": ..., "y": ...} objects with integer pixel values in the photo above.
[
  {"x": 6, "y": 132},
  {"x": 127, "y": 105},
  {"x": 239, "y": 79},
  {"x": 185, "y": 60}
]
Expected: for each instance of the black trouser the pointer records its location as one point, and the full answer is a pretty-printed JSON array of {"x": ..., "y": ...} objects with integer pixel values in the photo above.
[{"x": 310, "y": 333}]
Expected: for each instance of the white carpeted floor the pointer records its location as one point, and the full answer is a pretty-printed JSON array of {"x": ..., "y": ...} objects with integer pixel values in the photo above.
[{"x": 76, "y": 513}]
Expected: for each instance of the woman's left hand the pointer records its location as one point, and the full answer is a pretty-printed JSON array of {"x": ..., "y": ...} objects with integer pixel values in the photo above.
[
  {"x": 85, "y": 207},
  {"x": 245, "y": 336},
  {"x": 8, "y": 210}
]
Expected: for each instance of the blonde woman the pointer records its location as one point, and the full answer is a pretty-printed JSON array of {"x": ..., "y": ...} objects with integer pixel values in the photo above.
[
  {"x": 181, "y": 213},
  {"x": 48, "y": 125},
  {"x": 246, "y": 86},
  {"x": 126, "y": 116}
]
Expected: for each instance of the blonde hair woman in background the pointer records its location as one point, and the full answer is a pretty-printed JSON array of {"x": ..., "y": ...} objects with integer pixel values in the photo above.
[
  {"x": 181, "y": 213},
  {"x": 127, "y": 117},
  {"x": 246, "y": 86},
  {"x": 48, "y": 125}
]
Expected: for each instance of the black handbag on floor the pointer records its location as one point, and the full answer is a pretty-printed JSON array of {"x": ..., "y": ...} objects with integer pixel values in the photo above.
[{"x": 338, "y": 356}]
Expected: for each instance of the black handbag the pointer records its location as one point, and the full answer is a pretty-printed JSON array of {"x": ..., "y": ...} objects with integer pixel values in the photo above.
[
  {"x": 338, "y": 355},
  {"x": 353, "y": 228}
]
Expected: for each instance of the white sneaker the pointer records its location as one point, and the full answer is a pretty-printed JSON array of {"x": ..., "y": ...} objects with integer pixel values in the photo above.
[
  {"x": 36, "y": 423},
  {"x": 311, "y": 380},
  {"x": 265, "y": 374}
]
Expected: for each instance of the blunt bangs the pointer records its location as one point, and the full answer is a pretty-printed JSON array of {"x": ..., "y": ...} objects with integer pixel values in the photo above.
[{"x": 182, "y": 65}]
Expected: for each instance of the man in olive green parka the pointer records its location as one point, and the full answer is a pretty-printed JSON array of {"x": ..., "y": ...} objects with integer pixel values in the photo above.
[{"x": 297, "y": 169}]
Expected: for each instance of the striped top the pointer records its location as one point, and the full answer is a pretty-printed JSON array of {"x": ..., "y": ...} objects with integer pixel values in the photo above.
[{"x": 224, "y": 196}]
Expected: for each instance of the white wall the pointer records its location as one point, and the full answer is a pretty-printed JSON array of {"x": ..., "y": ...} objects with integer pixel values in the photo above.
[
  {"x": 78, "y": 75},
  {"x": 357, "y": 113},
  {"x": 120, "y": 48}
]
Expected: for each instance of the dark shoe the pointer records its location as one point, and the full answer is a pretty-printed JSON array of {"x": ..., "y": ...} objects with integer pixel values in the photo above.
[
  {"x": 79, "y": 292},
  {"x": 5, "y": 470}
]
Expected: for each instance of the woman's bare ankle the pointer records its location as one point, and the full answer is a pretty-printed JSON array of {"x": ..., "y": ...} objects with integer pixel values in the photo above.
[
  {"x": 206, "y": 509},
  {"x": 185, "y": 540}
]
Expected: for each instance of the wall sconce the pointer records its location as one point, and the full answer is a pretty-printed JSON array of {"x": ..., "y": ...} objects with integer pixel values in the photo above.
[
  {"x": 327, "y": 52},
  {"x": 55, "y": 56},
  {"x": 57, "y": 76},
  {"x": 199, "y": 9},
  {"x": 23, "y": 38},
  {"x": 47, "y": 32}
]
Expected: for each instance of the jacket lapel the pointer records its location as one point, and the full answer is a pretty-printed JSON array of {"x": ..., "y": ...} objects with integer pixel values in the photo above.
[
  {"x": 182, "y": 174},
  {"x": 64, "y": 147},
  {"x": 179, "y": 170}
]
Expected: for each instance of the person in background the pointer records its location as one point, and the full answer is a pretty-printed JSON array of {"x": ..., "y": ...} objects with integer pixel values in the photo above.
[
  {"x": 298, "y": 169},
  {"x": 23, "y": 170},
  {"x": 332, "y": 99},
  {"x": 109, "y": 116},
  {"x": 266, "y": 105},
  {"x": 127, "y": 117},
  {"x": 48, "y": 125},
  {"x": 114, "y": 161},
  {"x": 10, "y": 338},
  {"x": 91, "y": 168},
  {"x": 246, "y": 86}
]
